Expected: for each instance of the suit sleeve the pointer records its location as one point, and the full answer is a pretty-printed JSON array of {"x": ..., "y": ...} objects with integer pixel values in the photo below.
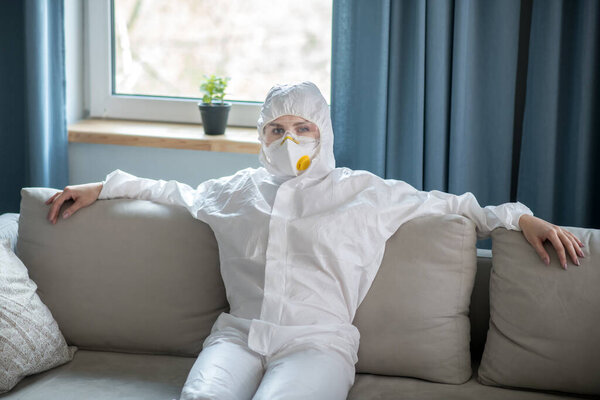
[
  {"x": 485, "y": 218},
  {"x": 119, "y": 184},
  {"x": 420, "y": 203}
]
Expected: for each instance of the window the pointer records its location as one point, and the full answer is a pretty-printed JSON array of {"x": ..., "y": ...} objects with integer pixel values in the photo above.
[{"x": 146, "y": 58}]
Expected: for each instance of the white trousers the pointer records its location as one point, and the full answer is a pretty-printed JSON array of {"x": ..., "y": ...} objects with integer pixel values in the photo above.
[{"x": 231, "y": 371}]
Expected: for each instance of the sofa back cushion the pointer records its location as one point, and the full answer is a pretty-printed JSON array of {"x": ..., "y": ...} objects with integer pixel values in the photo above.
[
  {"x": 544, "y": 321},
  {"x": 415, "y": 319},
  {"x": 124, "y": 275}
]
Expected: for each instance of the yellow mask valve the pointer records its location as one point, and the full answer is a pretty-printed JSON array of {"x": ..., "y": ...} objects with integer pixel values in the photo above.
[{"x": 303, "y": 163}]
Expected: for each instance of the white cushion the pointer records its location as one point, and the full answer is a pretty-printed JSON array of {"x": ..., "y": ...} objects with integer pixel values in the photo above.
[
  {"x": 30, "y": 341},
  {"x": 9, "y": 226}
]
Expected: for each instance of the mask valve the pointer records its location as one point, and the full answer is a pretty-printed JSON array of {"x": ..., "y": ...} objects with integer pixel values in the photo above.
[{"x": 303, "y": 163}]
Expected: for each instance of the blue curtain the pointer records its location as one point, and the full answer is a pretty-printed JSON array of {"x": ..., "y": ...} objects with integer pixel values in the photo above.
[
  {"x": 33, "y": 138},
  {"x": 496, "y": 97},
  {"x": 560, "y": 154}
]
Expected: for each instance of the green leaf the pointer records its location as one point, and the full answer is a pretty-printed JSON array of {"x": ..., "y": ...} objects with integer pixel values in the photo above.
[{"x": 214, "y": 86}]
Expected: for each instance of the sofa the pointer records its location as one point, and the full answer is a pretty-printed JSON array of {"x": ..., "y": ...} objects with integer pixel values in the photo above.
[{"x": 135, "y": 287}]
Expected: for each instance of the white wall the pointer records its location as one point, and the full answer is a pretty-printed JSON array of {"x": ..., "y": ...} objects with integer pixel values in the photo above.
[
  {"x": 74, "y": 59},
  {"x": 91, "y": 162}
]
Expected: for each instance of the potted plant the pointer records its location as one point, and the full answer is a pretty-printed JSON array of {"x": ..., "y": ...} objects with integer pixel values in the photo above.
[{"x": 213, "y": 109}]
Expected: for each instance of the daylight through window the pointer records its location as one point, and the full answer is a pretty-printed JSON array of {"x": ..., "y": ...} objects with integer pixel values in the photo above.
[{"x": 163, "y": 48}]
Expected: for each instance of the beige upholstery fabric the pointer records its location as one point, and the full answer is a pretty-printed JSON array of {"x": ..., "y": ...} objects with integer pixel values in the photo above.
[
  {"x": 545, "y": 321},
  {"x": 124, "y": 274},
  {"x": 373, "y": 387},
  {"x": 103, "y": 375},
  {"x": 414, "y": 320},
  {"x": 479, "y": 308},
  {"x": 98, "y": 375},
  {"x": 30, "y": 340}
]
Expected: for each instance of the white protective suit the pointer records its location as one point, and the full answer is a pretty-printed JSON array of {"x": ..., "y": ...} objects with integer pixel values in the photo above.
[{"x": 298, "y": 255}]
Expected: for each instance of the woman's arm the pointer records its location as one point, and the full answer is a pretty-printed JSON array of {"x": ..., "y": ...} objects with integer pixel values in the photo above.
[
  {"x": 119, "y": 184},
  {"x": 514, "y": 216}
]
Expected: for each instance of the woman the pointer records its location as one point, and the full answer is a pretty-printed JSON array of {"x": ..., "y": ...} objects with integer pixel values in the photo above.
[{"x": 300, "y": 243}]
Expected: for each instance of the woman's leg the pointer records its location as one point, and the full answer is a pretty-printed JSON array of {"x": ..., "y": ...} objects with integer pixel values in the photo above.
[
  {"x": 224, "y": 371},
  {"x": 306, "y": 373}
]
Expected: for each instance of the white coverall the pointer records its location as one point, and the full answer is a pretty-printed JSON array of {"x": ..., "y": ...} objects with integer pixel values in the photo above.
[{"x": 298, "y": 255}]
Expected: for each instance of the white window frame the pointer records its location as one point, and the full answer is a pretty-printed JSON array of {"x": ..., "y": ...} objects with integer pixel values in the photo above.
[{"x": 104, "y": 104}]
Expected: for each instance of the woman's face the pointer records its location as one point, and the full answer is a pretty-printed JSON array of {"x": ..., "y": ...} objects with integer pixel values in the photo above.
[{"x": 289, "y": 123}]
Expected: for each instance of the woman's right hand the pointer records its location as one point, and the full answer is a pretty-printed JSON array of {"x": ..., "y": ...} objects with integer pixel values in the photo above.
[{"x": 82, "y": 195}]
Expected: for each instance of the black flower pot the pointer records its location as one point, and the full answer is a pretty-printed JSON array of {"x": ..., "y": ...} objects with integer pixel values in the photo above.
[{"x": 214, "y": 117}]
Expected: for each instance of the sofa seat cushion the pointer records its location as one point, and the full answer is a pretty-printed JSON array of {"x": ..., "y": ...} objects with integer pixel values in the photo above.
[
  {"x": 397, "y": 388},
  {"x": 99, "y": 375}
]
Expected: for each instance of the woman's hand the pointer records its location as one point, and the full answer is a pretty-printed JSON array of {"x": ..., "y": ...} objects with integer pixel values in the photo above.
[
  {"x": 536, "y": 231},
  {"x": 82, "y": 195}
]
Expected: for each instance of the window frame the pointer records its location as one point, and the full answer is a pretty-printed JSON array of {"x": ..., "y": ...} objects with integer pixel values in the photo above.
[{"x": 104, "y": 104}]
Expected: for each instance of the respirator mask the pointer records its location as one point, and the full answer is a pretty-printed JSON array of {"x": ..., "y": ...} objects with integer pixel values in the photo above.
[{"x": 292, "y": 154}]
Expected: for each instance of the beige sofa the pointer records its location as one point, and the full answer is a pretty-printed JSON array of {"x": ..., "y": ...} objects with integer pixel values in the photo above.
[{"x": 136, "y": 287}]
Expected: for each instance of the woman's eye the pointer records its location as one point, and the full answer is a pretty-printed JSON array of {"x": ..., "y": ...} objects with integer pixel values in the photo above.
[
  {"x": 303, "y": 129},
  {"x": 277, "y": 131}
]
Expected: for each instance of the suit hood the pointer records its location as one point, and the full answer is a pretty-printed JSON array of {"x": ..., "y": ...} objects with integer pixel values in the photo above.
[{"x": 306, "y": 101}]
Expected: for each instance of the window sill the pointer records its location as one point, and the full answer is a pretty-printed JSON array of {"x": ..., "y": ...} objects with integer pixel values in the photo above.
[{"x": 163, "y": 135}]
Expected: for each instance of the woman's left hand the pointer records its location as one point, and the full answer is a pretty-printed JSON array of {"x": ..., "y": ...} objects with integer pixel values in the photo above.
[{"x": 536, "y": 231}]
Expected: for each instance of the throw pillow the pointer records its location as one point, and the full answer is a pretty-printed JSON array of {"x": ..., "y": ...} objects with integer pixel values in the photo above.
[
  {"x": 9, "y": 226},
  {"x": 544, "y": 328},
  {"x": 30, "y": 341}
]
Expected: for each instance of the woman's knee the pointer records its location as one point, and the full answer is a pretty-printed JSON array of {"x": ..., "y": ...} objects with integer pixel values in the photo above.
[
  {"x": 304, "y": 373},
  {"x": 224, "y": 371},
  {"x": 195, "y": 393}
]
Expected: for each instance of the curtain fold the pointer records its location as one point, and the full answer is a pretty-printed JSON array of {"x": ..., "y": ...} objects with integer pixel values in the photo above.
[
  {"x": 359, "y": 82},
  {"x": 560, "y": 153},
  {"x": 484, "y": 64},
  {"x": 33, "y": 125},
  {"x": 496, "y": 97}
]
